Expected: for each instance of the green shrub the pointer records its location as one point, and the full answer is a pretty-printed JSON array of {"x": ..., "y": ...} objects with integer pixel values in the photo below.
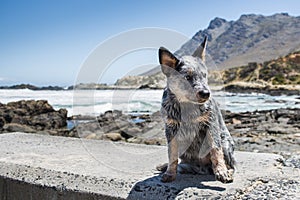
[{"x": 278, "y": 79}]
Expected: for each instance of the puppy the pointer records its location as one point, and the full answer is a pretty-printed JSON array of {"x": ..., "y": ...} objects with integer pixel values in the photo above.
[{"x": 194, "y": 127}]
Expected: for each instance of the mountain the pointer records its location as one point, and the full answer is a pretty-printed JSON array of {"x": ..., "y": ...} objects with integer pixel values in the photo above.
[{"x": 252, "y": 38}]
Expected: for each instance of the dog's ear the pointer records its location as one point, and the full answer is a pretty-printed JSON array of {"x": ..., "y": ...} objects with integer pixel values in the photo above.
[
  {"x": 200, "y": 51},
  {"x": 167, "y": 61}
]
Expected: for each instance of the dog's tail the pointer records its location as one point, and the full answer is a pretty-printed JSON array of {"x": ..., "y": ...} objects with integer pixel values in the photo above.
[{"x": 187, "y": 168}]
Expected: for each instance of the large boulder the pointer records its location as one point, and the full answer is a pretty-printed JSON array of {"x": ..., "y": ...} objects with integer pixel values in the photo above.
[{"x": 31, "y": 116}]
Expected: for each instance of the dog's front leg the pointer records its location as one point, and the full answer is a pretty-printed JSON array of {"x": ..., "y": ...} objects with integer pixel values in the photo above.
[
  {"x": 219, "y": 167},
  {"x": 170, "y": 174}
]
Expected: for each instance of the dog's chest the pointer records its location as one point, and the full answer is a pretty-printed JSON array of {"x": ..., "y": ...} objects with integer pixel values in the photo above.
[
  {"x": 193, "y": 122},
  {"x": 191, "y": 138},
  {"x": 191, "y": 131}
]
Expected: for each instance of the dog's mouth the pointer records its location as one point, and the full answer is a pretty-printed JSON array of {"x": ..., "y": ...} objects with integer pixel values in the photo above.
[
  {"x": 195, "y": 99},
  {"x": 202, "y": 101}
]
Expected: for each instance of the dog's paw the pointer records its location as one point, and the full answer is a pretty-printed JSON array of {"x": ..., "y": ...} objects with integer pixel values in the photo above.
[
  {"x": 167, "y": 177},
  {"x": 162, "y": 167},
  {"x": 224, "y": 175}
]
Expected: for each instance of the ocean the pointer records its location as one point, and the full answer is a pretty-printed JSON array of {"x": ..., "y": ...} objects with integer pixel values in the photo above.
[{"x": 95, "y": 102}]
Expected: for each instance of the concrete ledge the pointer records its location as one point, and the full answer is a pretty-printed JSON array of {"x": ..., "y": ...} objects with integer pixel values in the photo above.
[{"x": 48, "y": 167}]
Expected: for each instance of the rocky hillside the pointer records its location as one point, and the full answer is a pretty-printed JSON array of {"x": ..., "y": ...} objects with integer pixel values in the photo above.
[
  {"x": 281, "y": 73},
  {"x": 154, "y": 81},
  {"x": 252, "y": 38}
]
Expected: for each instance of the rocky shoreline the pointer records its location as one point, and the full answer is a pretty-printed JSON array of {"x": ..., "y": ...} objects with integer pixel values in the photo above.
[
  {"x": 273, "y": 91},
  {"x": 272, "y": 131},
  {"x": 30, "y": 87}
]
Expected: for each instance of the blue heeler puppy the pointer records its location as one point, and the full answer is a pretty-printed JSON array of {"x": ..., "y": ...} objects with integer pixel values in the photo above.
[{"x": 194, "y": 127}]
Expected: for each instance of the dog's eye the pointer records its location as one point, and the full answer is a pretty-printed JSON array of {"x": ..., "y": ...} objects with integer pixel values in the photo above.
[{"x": 188, "y": 77}]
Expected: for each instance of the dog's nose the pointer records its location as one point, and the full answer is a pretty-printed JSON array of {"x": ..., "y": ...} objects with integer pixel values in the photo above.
[{"x": 203, "y": 94}]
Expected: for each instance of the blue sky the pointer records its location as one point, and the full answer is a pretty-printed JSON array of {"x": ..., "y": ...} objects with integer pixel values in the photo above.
[{"x": 45, "y": 42}]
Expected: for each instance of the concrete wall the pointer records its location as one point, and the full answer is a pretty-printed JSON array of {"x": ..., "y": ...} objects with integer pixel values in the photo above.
[{"x": 48, "y": 167}]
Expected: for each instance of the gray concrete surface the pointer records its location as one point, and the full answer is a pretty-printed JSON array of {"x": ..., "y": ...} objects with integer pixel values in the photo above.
[{"x": 47, "y": 167}]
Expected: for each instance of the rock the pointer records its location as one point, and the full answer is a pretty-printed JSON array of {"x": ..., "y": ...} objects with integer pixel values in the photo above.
[
  {"x": 236, "y": 121},
  {"x": 33, "y": 116},
  {"x": 155, "y": 141},
  {"x": 293, "y": 161},
  {"x": 51, "y": 120},
  {"x": 277, "y": 130},
  {"x": 2, "y": 122},
  {"x": 114, "y": 136},
  {"x": 43, "y": 133},
  {"x": 135, "y": 140},
  {"x": 91, "y": 136},
  {"x": 30, "y": 107},
  {"x": 297, "y": 135},
  {"x": 13, "y": 127},
  {"x": 59, "y": 132},
  {"x": 132, "y": 131},
  {"x": 81, "y": 117}
]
